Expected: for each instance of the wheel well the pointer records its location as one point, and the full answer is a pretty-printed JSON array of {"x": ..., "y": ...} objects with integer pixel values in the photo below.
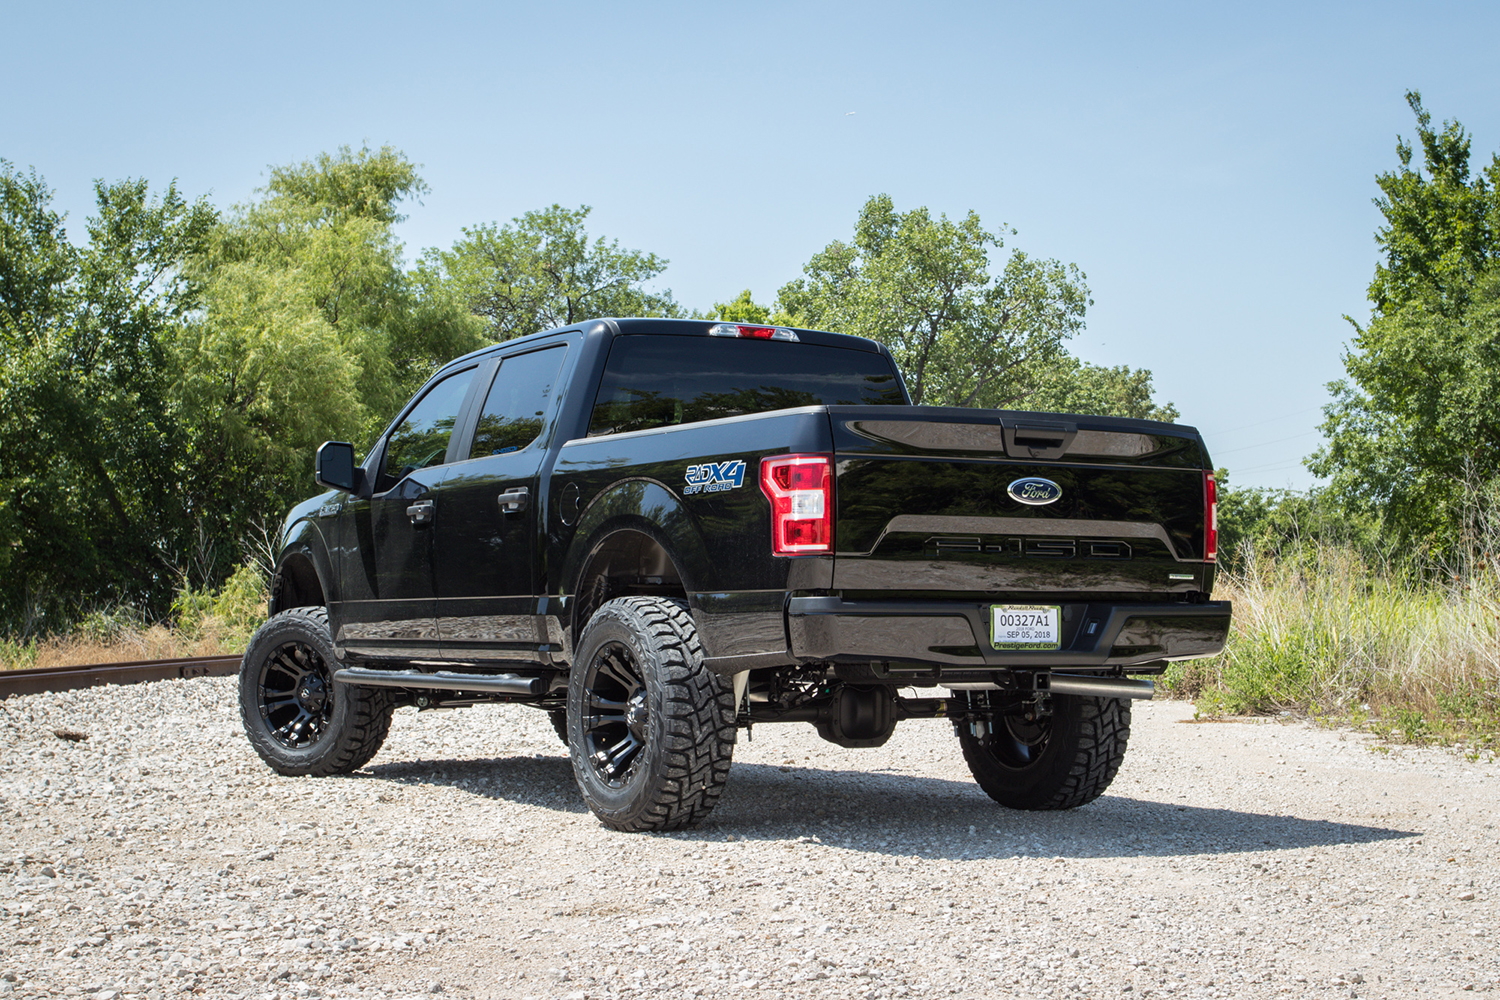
[
  {"x": 627, "y": 562},
  {"x": 296, "y": 586}
]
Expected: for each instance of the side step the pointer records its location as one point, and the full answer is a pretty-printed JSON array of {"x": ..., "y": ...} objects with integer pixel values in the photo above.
[{"x": 442, "y": 680}]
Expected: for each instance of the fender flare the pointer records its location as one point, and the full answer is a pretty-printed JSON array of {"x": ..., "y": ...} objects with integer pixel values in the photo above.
[
  {"x": 304, "y": 550},
  {"x": 644, "y": 506}
]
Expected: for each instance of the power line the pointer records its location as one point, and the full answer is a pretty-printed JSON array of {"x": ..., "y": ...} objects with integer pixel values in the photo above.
[
  {"x": 1274, "y": 466},
  {"x": 1270, "y": 420},
  {"x": 1262, "y": 444}
]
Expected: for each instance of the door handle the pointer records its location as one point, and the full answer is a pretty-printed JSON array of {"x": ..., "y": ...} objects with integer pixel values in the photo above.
[
  {"x": 421, "y": 512},
  {"x": 514, "y": 501}
]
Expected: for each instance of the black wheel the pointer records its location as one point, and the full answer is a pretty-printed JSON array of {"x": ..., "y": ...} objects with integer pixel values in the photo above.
[
  {"x": 650, "y": 729},
  {"x": 1059, "y": 762},
  {"x": 298, "y": 718},
  {"x": 559, "y": 717}
]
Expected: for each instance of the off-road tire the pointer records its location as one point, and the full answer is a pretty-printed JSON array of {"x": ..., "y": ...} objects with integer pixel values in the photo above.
[
  {"x": 349, "y": 723},
  {"x": 1084, "y": 745},
  {"x": 684, "y": 732},
  {"x": 559, "y": 717}
]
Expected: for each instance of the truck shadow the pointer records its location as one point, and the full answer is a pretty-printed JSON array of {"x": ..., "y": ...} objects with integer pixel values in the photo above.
[{"x": 908, "y": 816}]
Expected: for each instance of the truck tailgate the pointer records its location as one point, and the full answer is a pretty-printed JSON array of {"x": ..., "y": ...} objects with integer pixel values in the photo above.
[{"x": 926, "y": 502}]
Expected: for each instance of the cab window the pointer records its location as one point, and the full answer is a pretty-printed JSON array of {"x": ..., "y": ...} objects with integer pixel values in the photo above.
[
  {"x": 517, "y": 403},
  {"x": 656, "y": 381},
  {"x": 421, "y": 439}
]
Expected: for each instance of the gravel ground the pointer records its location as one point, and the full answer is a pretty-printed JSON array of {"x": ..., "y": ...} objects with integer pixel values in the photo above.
[{"x": 160, "y": 858}]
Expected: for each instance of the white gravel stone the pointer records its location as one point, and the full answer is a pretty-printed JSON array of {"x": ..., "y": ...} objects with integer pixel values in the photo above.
[{"x": 159, "y": 858}]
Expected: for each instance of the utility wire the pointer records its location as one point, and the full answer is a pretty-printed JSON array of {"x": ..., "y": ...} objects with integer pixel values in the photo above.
[
  {"x": 1262, "y": 444},
  {"x": 1274, "y": 466},
  {"x": 1269, "y": 420}
]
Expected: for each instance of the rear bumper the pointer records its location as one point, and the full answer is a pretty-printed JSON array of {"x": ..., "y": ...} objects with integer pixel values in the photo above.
[{"x": 950, "y": 634}]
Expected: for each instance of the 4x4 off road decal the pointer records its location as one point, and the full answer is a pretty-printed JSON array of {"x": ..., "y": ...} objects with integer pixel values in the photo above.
[{"x": 714, "y": 477}]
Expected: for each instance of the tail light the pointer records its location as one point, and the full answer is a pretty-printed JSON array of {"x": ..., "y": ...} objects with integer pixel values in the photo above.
[
  {"x": 749, "y": 332},
  {"x": 800, "y": 488},
  {"x": 1210, "y": 518}
]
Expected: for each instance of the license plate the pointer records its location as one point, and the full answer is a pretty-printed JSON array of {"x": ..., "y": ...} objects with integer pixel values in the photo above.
[{"x": 1026, "y": 626}]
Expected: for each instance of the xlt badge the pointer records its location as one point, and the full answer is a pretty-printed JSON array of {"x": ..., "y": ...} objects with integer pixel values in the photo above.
[
  {"x": 714, "y": 477},
  {"x": 1034, "y": 491}
]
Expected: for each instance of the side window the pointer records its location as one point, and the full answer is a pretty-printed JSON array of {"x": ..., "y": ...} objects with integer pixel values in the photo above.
[
  {"x": 422, "y": 437},
  {"x": 517, "y": 403}
]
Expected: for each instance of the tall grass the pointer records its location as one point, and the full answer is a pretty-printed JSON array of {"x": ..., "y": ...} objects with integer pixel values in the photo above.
[
  {"x": 203, "y": 623},
  {"x": 1318, "y": 630}
]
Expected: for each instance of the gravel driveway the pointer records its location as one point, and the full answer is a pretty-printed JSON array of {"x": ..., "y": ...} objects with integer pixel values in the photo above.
[{"x": 160, "y": 858}]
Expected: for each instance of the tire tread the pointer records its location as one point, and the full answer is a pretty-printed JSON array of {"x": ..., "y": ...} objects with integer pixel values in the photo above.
[
  {"x": 1095, "y": 757},
  {"x": 367, "y": 723},
  {"x": 699, "y": 725}
]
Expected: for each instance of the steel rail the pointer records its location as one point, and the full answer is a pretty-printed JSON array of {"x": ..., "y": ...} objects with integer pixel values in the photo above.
[{"x": 93, "y": 674}]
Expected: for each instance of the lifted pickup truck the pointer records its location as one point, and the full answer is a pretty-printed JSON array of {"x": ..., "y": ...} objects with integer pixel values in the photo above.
[{"x": 661, "y": 531}]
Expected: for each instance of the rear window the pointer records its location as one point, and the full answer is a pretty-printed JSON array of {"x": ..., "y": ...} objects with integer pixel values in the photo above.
[{"x": 656, "y": 381}]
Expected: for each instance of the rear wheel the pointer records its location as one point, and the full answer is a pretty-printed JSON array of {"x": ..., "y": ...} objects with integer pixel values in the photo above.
[
  {"x": 650, "y": 729},
  {"x": 298, "y": 718},
  {"x": 1061, "y": 761}
]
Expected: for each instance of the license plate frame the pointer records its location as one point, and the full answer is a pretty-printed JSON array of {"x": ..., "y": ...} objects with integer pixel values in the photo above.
[{"x": 1036, "y": 627}]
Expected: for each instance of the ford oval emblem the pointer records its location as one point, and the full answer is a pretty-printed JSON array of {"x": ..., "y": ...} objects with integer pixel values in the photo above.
[{"x": 1034, "y": 491}]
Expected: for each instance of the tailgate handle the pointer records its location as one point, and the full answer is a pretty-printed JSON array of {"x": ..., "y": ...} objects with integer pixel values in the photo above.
[{"x": 1039, "y": 440}]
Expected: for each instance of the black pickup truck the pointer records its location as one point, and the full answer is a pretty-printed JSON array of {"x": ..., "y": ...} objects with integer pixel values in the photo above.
[{"x": 662, "y": 531}]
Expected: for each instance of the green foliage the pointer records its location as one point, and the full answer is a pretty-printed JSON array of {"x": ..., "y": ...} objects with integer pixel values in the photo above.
[
  {"x": 1317, "y": 629},
  {"x": 1416, "y": 424},
  {"x": 923, "y": 287},
  {"x": 1442, "y": 229},
  {"x": 743, "y": 309},
  {"x": 230, "y": 614},
  {"x": 18, "y": 654},
  {"x": 1256, "y": 522},
  {"x": 312, "y": 331},
  {"x": 1068, "y": 385},
  {"x": 106, "y": 625},
  {"x": 540, "y": 271},
  {"x": 349, "y": 185},
  {"x": 163, "y": 387},
  {"x": 91, "y": 440},
  {"x": 1413, "y": 428}
]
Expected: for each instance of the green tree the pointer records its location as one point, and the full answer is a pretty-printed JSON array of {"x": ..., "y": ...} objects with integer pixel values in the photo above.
[
  {"x": 742, "y": 309},
  {"x": 1442, "y": 230},
  {"x": 923, "y": 286},
  {"x": 1412, "y": 434},
  {"x": 1068, "y": 385},
  {"x": 1256, "y": 521},
  {"x": 541, "y": 271},
  {"x": 91, "y": 443},
  {"x": 312, "y": 330}
]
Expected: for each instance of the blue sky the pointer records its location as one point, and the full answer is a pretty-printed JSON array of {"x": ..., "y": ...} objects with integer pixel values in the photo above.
[{"x": 1210, "y": 167}]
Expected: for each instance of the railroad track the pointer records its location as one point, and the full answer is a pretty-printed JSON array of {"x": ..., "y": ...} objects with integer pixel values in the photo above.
[{"x": 94, "y": 674}]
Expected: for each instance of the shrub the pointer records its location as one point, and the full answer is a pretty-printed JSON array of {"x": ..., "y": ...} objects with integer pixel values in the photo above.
[{"x": 228, "y": 616}]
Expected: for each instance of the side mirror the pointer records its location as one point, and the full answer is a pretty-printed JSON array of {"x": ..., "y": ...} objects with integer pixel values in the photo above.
[{"x": 335, "y": 468}]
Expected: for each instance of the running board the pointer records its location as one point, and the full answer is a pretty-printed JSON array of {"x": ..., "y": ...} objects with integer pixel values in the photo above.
[{"x": 442, "y": 680}]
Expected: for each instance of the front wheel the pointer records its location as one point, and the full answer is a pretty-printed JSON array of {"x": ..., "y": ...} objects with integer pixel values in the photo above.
[
  {"x": 650, "y": 728},
  {"x": 1062, "y": 761},
  {"x": 298, "y": 718}
]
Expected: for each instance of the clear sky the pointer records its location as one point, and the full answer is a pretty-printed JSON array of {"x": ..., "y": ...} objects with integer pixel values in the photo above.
[{"x": 1209, "y": 166}]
